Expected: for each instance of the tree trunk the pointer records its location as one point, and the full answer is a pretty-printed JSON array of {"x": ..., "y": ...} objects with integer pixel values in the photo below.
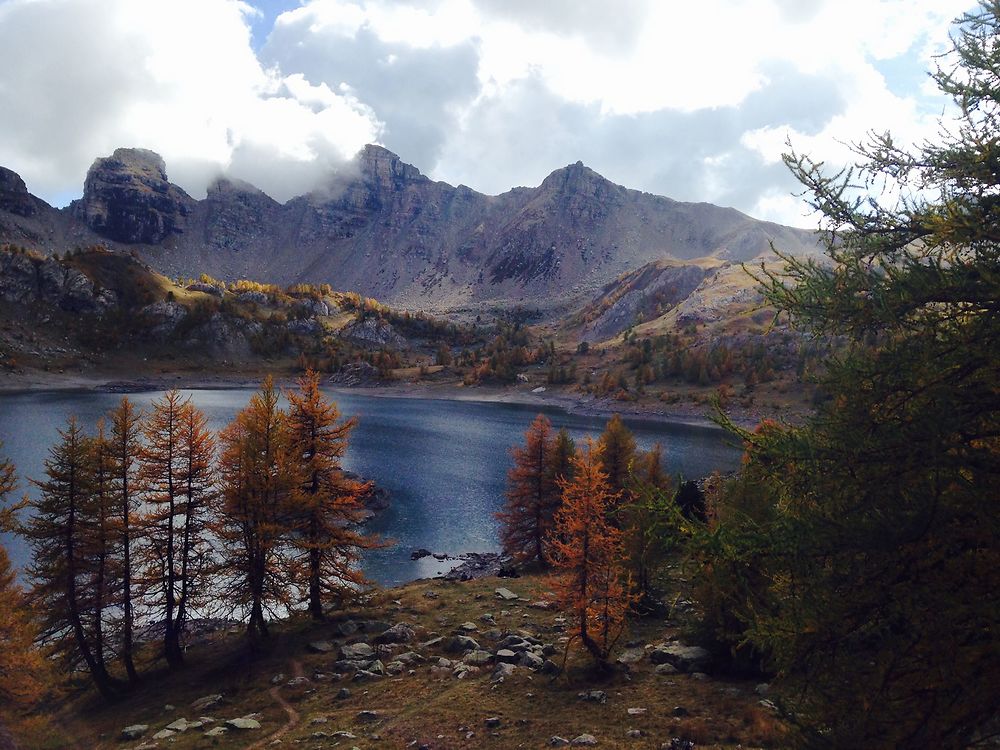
[{"x": 315, "y": 598}]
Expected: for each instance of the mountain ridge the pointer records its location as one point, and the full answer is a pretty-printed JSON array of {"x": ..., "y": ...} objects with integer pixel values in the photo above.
[{"x": 384, "y": 228}]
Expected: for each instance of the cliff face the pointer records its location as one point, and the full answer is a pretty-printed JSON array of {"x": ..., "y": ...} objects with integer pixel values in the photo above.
[
  {"x": 127, "y": 198},
  {"x": 384, "y": 229}
]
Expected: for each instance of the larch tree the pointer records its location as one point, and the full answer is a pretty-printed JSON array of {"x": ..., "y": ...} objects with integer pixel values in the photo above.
[
  {"x": 125, "y": 446},
  {"x": 326, "y": 506},
  {"x": 532, "y": 496},
  {"x": 22, "y": 667},
  {"x": 873, "y": 581},
  {"x": 160, "y": 476},
  {"x": 59, "y": 571},
  {"x": 252, "y": 522},
  {"x": 196, "y": 478},
  {"x": 648, "y": 517},
  {"x": 177, "y": 475},
  {"x": 99, "y": 542},
  {"x": 617, "y": 452},
  {"x": 587, "y": 550}
]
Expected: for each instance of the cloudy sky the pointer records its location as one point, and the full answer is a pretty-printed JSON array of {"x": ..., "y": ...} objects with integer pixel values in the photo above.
[{"x": 693, "y": 100}]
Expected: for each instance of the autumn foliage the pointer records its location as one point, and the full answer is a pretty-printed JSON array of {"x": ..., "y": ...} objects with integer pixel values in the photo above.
[
  {"x": 533, "y": 494},
  {"x": 326, "y": 504},
  {"x": 587, "y": 553},
  {"x": 147, "y": 515}
]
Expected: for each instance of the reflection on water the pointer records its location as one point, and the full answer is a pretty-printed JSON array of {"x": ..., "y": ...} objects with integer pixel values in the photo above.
[{"x": 445, "y": 462}]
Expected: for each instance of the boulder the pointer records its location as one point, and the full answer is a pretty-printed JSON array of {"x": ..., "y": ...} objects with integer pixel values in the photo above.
[
  {"x": 506, "y": 656},
  {"x": 243, "y": 723},
  {"x": 502, "y": 672},
  {"x": 478, "y": 658},
  {"x": 135, "y": 731},
  {"x": 398, "y": 633},
  {"x": 357, "y": 652},
  {"x": 320, "y": 647},
  {"x": 207, "y": 702},
  {"x": 683, "y": 657},
  {"x": 585, "y": 740},
  {"x": 506, "y": 595},
  {"x": 459, "y": 644}
]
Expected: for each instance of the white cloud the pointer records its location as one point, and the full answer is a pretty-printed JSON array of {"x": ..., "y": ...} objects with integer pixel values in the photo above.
[
  {"x": 176, "y": 76},
  {"x": 692, "y": 100}
]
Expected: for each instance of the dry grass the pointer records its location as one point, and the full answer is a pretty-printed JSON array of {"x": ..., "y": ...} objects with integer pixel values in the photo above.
[{"x": 423, "y": 708}]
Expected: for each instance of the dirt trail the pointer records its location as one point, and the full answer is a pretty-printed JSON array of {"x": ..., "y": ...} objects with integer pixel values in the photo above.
[{"x": 293, "y": 715}]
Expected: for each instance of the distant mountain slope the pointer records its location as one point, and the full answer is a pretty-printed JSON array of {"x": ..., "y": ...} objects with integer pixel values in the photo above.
[{"x": 385, "y": 229}]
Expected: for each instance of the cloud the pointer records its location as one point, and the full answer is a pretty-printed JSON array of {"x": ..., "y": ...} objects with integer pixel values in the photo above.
[
  {"x": 178, "y": 76},
  {"x": 692, "y": 100},
  {"x": 418, "y": 92}
]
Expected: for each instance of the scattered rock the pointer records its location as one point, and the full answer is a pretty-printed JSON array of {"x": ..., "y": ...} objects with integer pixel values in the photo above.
[
  {"x": 594, "y": 696},
  {"x": 493, "y": 722},
  {"x": 685, "y": 658},
  {"x": 478, "y": 658},
  {"x": 460, "y": 643},
  {"x": 557, "y": 741},
  {"x": 135, "y": 731},
  {"x": 320, "y": 647},
  {"x": 506, "y": 595},
  {"x": 343, "y": 694},
  {"x": 584, "y": 739},
  {"x": 418, "y": 554},
  {"x": 216, "y": 732},
  {"x": 164, "y": 734},
  {"x": 367, "y": 717},
  {"x": 357, "y": 652},
  {"x": 631, "y": 656},
  {"x": 398, "y": 633},
  {"x": 207, "y": 702},
  {"x": 243, "y": 723},
  {"x": 502, "y": 672},
  {"x": 506, "y": 656}
]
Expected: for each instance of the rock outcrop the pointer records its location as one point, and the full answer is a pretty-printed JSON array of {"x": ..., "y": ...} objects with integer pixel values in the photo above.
[
  {"x": 127, "y": 198},
  {"x": 14, "y": 195}
]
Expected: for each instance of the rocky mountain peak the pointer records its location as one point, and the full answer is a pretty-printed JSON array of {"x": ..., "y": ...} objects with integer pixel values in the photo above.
[
  {"x": 576, "y": 178},
  {"x": 14, "y": 195},
  {"x": 385, "y": 170},
  {"x": 127, "y": 198},
  {"x": 227, "y": 186},
  {"x": 140, "y": 162}
]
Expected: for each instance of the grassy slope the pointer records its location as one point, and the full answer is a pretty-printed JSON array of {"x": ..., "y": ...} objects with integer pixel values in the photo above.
[{"x": 421, "y": 707}]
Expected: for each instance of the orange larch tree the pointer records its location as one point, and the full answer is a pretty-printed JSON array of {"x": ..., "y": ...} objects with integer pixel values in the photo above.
[
  {"x": 125, "y": 443},
  {"x": 22, "y": 668},
  {"x": 252, "y": 520},
  {"x": 176, "y": 474},
  {"x": 532, "y": 496},
  {"x": 587, "y": 550},
  {"x": 197, "y": 479},
  {"x": 326, "y": 505}
]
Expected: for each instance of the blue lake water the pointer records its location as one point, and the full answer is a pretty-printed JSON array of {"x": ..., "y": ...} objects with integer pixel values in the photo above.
[{"x": 444, "y": 462}]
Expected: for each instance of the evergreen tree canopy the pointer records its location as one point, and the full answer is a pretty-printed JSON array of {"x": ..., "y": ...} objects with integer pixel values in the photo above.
[{"x": 873, "y": 585}]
